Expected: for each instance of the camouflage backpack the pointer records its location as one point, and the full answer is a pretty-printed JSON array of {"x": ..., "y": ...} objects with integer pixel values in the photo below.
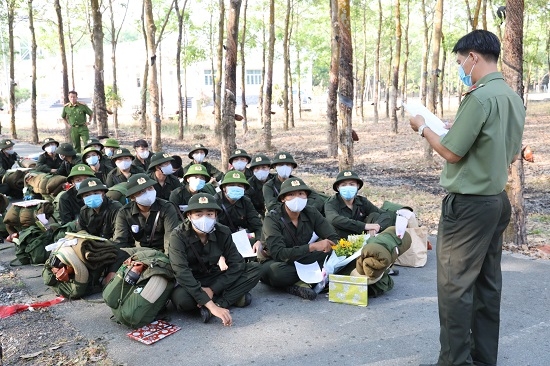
[{"x": 30, "y": 245}]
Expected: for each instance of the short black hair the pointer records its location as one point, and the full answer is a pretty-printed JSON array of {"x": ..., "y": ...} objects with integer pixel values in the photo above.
[
  {"x": 73, "y": 92},
  {"x": 480, "y": 41},
  {"x": 141, "y": 143}
]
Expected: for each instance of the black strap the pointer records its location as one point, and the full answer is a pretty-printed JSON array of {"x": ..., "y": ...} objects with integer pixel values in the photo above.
[
  {"x": 231, "y": 224},
  {"x": 296, "y": 242},
  {"x": 154, "y": 228},
  {"x": 199, "y": 259},
  {"x": 178, "y": 211}
]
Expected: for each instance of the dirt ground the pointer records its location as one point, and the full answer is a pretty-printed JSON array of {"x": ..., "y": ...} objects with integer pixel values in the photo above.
[{"x": 392, "y": 167}]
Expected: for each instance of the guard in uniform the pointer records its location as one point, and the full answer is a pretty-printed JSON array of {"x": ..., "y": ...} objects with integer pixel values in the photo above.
[
  {"x": 48, "y": 161},
  {"x": 161, "y": 170},
  {"x": 239, "y": 160},
  {"x": 197, "y": 154},
  {"x": 260, "y": 166},
  {"x": 74, "y": 114}
]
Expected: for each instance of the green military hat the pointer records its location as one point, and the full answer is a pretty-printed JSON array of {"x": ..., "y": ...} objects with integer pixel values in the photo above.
[
  {"x": 197, "y": 169},
  {"x": 239, "y": 153},
  {"x": 91, "y": 185},
  {"x": 201, "y": 201},
  {"x": 159, "y": 158},
  {"x": 195, "y": 148},
  {"x": 291, "y": 185},
  {"x": 347, "y": 175},
  {"x": 88, "y": 150},
  {"x": 47, "y": 141},
  {"x": 93, "y": 141},
  {"x": 282, "y": 158},
  {"x": 81, "y": 169},
  {"x": 138, "y": 182},
  {"x": 6, "y": 144},
  {"x": 258, "y": 160},
  {"x": 65, "y": 149},
  {"x": 121, "y": 153},
  {"x": 234, "y": 176},
  {"x": 111, "y": 143}
]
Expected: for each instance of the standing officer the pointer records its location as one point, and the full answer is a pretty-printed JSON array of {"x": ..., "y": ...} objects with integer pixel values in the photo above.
[{"x": 74, "y": 114}]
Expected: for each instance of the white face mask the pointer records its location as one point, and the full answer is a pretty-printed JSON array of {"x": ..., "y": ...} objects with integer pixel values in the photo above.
[
  {"x": 167, "y": 169},
  {"x": 123, "y": 164},
  {"x": 261, "y": 174},
  {"x": 198, "y": 157},
  {"x": 144, "y": 154},
  {"x": 196, "y": 184},
  {"x": 296, "y": 204},
  {"x": 239, "y": 165},
  {"x": 50, "y": 149},
  {"x": 284, "y": 171},
  {"x": 147, "y": 198},
  {"x": 204, "y": 224}
]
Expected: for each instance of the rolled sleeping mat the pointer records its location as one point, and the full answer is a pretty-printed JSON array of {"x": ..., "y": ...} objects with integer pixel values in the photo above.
[
  {"x": 54, "y": 184},
  {"x": 68, "y": 256},
  {"x": 154, "y": 288},
  {"x": 28, "y": 163}
]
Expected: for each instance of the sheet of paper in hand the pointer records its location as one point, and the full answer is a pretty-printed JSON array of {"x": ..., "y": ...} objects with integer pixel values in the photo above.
[
  {"x": 432, "y": 121},
  {"x": 153, "y": 332},
  {"x": 240, "y": 238}
]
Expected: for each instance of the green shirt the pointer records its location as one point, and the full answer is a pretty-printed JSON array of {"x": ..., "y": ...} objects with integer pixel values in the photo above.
[
  {"x": 76, "y": 114},
  {"x": 487, "y": 135},
  {"x": 240, "y": 214}
]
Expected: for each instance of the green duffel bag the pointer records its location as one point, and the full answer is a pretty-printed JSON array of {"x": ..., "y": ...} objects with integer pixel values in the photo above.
[{"x": 136, "y": 298}]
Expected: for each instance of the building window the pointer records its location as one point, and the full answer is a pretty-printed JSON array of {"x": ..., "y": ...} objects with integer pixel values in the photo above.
[
  {"x": 253, "y": 77},
  {"x": 208, "y": 77}
]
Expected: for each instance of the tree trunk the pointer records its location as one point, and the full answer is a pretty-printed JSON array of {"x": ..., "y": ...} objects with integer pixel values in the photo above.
[
  {"x": 159, "y": 80},
  {"x": 376, "y": 94},
  {"x": 332, "y": 95},
  {"x": 152, "y": 85},
  {"x": 345, "y": 87},
  {"x": 178, "y": 67},
  {"x": 269, "y": 78},
  {"x": 291, "y": 99},
  {"x": 442, "y": 79},
  {"x": 143, "y": 108},
  {"x": 64, "y": 69},
  {"x": 230, "y": 101},
  {"x": 34, "y": 127},
  {"x": 218, "y": 79},
  {"x": 100, "y": 109},
  {"x": 262, "y": 83},
  {"x": 363, "y": 88},
  {"x": 11, "y": 17},
  {"x": 395, "y": 68},
  {"x": 389, "y": 81},
  {"x": 286, "y": 62},
  {"x": 426, "y": 49},
  {"x": 513, "y": 74},
  {"x": 243, "y": 71},
  {"x": 404, "y": 83}
]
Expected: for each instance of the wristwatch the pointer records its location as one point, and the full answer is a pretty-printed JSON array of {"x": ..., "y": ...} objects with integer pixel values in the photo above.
[{"x": 421, "y": 129}]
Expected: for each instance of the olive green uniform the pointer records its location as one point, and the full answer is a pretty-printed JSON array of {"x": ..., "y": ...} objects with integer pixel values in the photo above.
[
  {"x": 145, "y": 165},
  {"x": 487, "y": 134},
  {"x": 6, "y": 162},
  {"x": 100, "y": 223},
  {"x": 256, "y": 194},
  {"x": 286, "y": 243},
  {"x": 76, "y": 116},
  {"x": 180, "y": 196},
  {"x": 271, "y": 191},
  {"x": 115, "y": 176},
  {"x": 69, "y": 206},
  {"x": 65, "y": 167},
  {"x": 130, "y": 215},
  {"x": 103, "y": 171},
  {"x": 170, "y": 184},
  {"x": 211, "y": 169},
  {"x": 228, "y": 286},
  {"x": 348, "y": 221},
  {"x": 46, "y": 163},
  {"x": 239, "y": 215}
]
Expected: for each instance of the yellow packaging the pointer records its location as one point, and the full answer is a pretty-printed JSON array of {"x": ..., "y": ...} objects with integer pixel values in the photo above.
[{"x": 348, "y": 290}]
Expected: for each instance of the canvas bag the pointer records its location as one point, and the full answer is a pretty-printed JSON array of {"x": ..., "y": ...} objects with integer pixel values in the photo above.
[{"x": 417, "y": 255}]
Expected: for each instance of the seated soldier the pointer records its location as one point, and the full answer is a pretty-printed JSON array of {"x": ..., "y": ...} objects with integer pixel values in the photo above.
[
  {"x": 109, "y": 147},
  {"x": 48, "y": 161},
  {"x": 92, "y": 157},
  {"x": 98, "y": 146},
  {"x": 195, "y": 248},
  {"x": 197, "y": 154},
  {"x": 194, "y": 182},
  {"x": 142, "y": 155},
  {"x": 350, "y": 213},
  {"x": 70, "y": 203},
  {"x": 69, "y": 158},
  {"x": 294, "y": 232},
  {"x": 124, "y": 168},
  {"x": 8, "y": 157},
  {"x": 260, "y": 166},
  {"x": 146, "y": 219},
  {"x": 161, "y": 170},
  {"x": 239, "y": 160},
  {"x": 284, "y": 164},
  {"x": 238, "y": 212}
]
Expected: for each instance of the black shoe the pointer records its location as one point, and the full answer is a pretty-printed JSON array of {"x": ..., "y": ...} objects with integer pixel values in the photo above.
[
  {"x": 394, "y": 272},
  {"x": 304, "y": 292},
  {"x": 244, "y": 301},
  {"x": 205, "y": 314}
]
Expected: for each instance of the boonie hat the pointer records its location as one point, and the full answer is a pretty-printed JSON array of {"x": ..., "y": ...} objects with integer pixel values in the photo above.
[
  {"x": 91, "y": 185},
  {"x": 197, "y": 169},
  {"x": 93, "y": 141},
  {"x": 239, "y": 153},
  {"x": 121, "y": 153},
  {"x": 47, "y": 141},
  {"x": 6, "y": 144},
  {"x": 89, "y": 150},
  {"x": 159, "y": 158},
  {"x": 292, "y": 185},
  {"x": 81, "y": 169},
  {"x": 195, "y": 148},
  {"x": 201, "y": 201},
  {"x": 138, "y": 182},
  {"x": 111, "y": 143},
  {"x": 234, "y": 176},
  {"x": 283, "y": 157},
  {"x": 65, "y": 149},
  {"x": 347, "y": 175},
  {"x": 259, "y": 159}
]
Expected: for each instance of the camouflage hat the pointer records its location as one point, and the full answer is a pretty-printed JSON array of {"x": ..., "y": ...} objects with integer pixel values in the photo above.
[
  {"x": 195, "y": 148},
  {"x": 258, "y": 160},
  {"x": 292, "y": 185},
  {"x": 47, "y": 141},
  {"x": 81, "y": 169},
  {"x": 91, "y": 185},
  {"x": 89, "y": 150},
  {"x": 121, "y": 153},
  {"x": 138, "y": 182},
  {"x": 234, "y": 176},
  {"x": 197, "y": 169},
  {"x": 111, "y": 143},
  {"x": 239, "y": 153},
  {"x": 65, "y": 149},
  {"x": 159, "y": 158},
  {"x": 93, "y": 141},
  {"x": 347, "y": 175},
  {"x": 6, "y": 144},
  {"x": 201, "y": 201},
  {"x": 282, "y": 158}
]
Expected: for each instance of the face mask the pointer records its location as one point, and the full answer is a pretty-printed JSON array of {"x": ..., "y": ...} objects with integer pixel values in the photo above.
[
  {"x": 466, "y": 79},
  {"x": 347, "y": 192},
  {"x": 92, "y": 160},
  {"x": 261, "y": 174},
  {"x": 144, "y": 154},
  {"x": 167, "y": 170},
  {"x": 123, "y": 164},
  {"x": 147, "y": 198},
  {"x": 196, "y": 184},
  {"x": 198, "y": 157},
  {"x": 50, "y": 149},
  {"x": 234, "y": 193},
  {"x": 62, "y": 157},
  {"x": 239, "y": 165},
  {"x": 296, "y": 204},
  {"x": 77, "y": 185},
  {"x": 94, "y": 200},
  {"x": 204, "y": 224},
  {"x": 109, "y": 152},
  {"x": 284, "y": 171},
  {"x": 9, "y": 152}
]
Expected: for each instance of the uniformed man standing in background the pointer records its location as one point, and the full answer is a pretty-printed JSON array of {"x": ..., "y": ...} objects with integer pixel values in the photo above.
[{"x": 74, "y": 114}]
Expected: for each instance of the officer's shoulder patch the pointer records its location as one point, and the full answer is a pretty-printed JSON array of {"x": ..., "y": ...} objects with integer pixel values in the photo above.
[
  {"x": 473, "y": 88},
  {"x": 67, "y": 104}
]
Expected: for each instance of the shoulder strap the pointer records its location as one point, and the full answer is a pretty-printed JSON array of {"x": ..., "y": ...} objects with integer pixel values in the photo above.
[
  {"x": 232, "y": 226},
  {"x": 294, "y": 239},
  {"x": 154, "y": 227},
  {"x": 201, "y": 263}
]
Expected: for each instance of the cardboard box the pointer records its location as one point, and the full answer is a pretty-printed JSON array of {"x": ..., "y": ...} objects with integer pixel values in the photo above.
[{"x": 348, "y": 290}]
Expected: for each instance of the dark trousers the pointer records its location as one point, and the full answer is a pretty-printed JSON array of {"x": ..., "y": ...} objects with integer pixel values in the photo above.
[
  {"x": 469, "y": 279},
  {"x": 183, "y": 301},
  {"x": 283, "y": 274}
]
